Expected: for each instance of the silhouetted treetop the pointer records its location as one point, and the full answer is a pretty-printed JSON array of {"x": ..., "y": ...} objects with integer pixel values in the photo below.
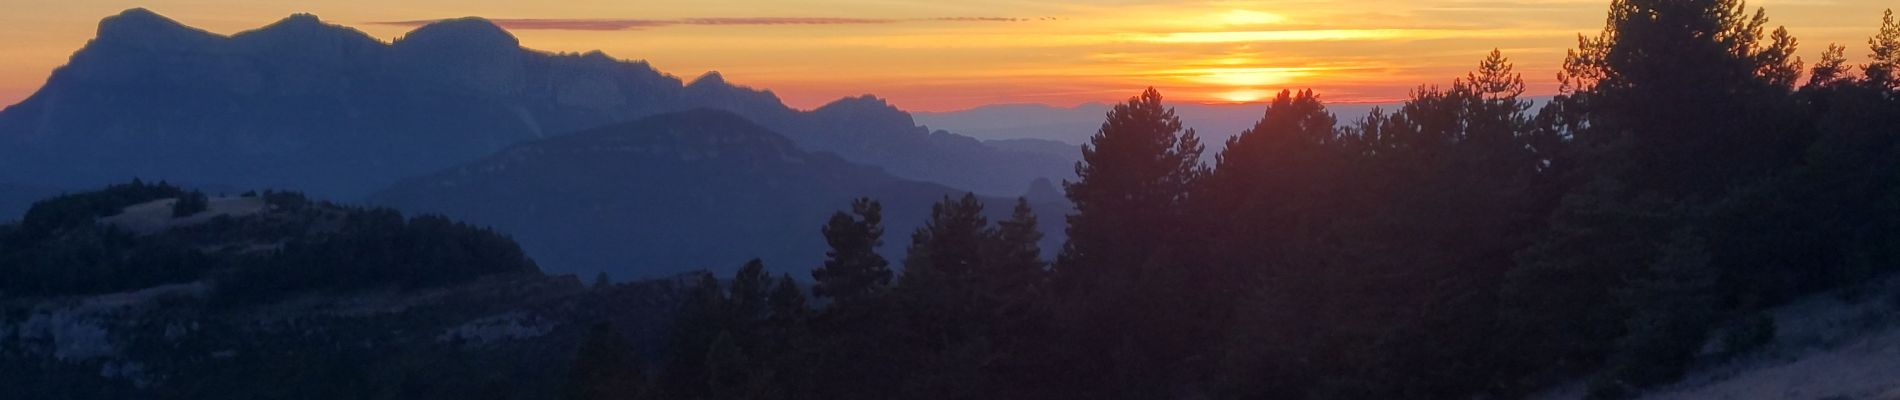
[
  {"x": 1883, "y": 69},
  {"x": 853, "y": 270},
  {"x": 1831, "y": 68},
  {"x": 1134, "y": 178},
  {"x": 1495, "y": 79},
  {"x": 1647, "y": 42}
]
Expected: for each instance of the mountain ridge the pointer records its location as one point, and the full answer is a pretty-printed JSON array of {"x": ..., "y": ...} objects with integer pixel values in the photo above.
[{"x": 302, "y": 103}]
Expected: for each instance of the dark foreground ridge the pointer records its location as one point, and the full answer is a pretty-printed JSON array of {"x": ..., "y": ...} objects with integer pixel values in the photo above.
[{"x": 150, "y": 291}]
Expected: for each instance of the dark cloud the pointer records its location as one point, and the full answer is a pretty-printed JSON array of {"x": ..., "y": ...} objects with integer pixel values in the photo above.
[
  {"x": 618, "y": 24},
  {"x": 979, "y": 19},
  {"x": 783, "y": 21},
  {"x": 570, "y": 24}
]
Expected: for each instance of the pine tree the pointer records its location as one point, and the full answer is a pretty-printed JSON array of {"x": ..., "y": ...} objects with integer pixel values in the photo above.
[
  {"x": 1441, "y": 203},
  {"x": 1495, "y": 79},
  {"x": 1276, "y": 149},
  {"x": 1270, "y": 185},
  {"x": 941, "y": 272},
  {"x": 853, "y": 269},
  {"x": 1883, "y": 71},
  {"x": 750, "y": 293},
  {"x": 787, "y": 300},
  {"x": 949, "y": 247},
  {"x": 787, "y": 341},
  {"x": 605, "y": 367},
  {"x": 857, "y": 354},
  {"x": 1119, "y": 276},
  {"x": 1647, "y": 43},
  {"x": 701, "y": 319},
  {"x": 1778, "y": 64},
  {"x": 1015, "y": 268},
  {"x": 1686, "y": 96},
  {"x": 1497, "y": 122},
  {"x": 1012, "y": 291},
  {"x": 1133, "y": 180},
  {"x": 1831, "y": 68}
]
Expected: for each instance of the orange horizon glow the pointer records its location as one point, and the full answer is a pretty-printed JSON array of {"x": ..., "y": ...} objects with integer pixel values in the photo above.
[{"x": 931, "y": 56}]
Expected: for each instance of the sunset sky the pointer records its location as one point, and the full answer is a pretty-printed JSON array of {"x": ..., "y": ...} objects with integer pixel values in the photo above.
[{"x": 946, "y": 55}]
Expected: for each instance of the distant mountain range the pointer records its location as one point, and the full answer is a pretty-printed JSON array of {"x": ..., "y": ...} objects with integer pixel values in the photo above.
[
  {"x": 999, "y": 123},
  {"x": 1214, "y": 123},
  {"x": 703, "y": 189},
  {"x": 330, "y": 110}
]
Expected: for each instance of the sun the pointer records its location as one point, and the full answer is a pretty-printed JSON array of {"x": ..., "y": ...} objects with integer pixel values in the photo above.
[
  {"x": 1242, "y": 95},
  {"x": 1245, "y": 76},
  {"x": 1240, "y": 84}
]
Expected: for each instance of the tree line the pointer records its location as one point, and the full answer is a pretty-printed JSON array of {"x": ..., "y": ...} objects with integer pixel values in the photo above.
[
  {"x": 294, "y": 246},
  {"x": 1693, "y": 172}
]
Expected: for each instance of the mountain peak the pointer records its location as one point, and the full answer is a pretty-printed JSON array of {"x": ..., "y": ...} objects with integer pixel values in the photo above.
[
  {"x": 301, "y": 25},
  {"x": 298, "y": 20},
  {"x": 465, "y": 32},
  {"x": 709, "y": 78},
  {"x": 860, "y": 102},
  {"x": 140, "y": 15},
  {"x": 142, "y": 26},
  {"x": 864, "y": 105},
  {"x": 307, "y": 39}
]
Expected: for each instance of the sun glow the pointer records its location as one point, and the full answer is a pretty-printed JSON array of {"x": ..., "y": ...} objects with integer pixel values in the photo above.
[
  {"x": 1243, "y": 95},
  {"x": 1314, "y": 35},
  {"x": 1250, "y": 17},
  {"x": 1244, "y": 76},
  {"x": 1239, "y": 84}
]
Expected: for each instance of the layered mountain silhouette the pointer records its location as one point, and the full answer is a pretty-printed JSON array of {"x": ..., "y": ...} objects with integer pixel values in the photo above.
[
  {"x": 701, "y": 189},
  {"x": 1032, "y": 127},
  {"x": 330, "y": 110}
]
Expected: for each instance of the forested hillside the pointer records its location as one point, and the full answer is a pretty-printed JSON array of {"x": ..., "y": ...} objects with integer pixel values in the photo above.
[
  {"x": 149, "y": 291},
  {"x": 1693, "y": 173}
]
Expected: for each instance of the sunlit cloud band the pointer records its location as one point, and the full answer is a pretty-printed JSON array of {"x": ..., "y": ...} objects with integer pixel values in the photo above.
[{"x": 624, "y": 24}]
